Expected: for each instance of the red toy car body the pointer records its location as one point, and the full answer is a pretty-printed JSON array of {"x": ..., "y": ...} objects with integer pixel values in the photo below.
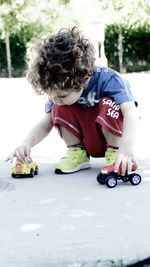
[{"x": 109, "y": 169}]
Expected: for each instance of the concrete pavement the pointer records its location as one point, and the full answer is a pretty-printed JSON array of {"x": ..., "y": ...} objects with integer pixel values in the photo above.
[{"x": 68, "y": 220}]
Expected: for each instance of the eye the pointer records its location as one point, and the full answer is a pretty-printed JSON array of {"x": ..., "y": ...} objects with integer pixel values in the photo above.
[{"x": 62, "y": 96}]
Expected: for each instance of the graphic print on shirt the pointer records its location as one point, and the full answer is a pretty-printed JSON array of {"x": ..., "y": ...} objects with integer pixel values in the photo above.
[
  {"x": 90, "y": 100},
  {"x": 113, "y": 110}
]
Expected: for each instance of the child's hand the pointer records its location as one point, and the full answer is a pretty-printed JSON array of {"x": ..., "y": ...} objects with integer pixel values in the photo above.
[
  {"x": 125, "y": 158},
  {"x": 21, "y": 152},
  {"x": 126, "y": 148}
]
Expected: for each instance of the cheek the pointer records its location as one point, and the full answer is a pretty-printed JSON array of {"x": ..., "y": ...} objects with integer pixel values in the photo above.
[{"x": 71, "y": 100}]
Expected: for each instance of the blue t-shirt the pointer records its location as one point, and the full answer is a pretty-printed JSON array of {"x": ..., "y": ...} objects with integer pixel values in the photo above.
[{"x": 104, "y": 82}]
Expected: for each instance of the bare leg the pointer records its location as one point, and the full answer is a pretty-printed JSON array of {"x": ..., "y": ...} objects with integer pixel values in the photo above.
[
  {"x": 69, "y": 138},
  {"x": 111, "y": 139},
  {"x": 113, "y": 143}
]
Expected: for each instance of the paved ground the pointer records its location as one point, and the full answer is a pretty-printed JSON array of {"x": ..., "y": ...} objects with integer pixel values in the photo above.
[{"x": 70, "y": 220}]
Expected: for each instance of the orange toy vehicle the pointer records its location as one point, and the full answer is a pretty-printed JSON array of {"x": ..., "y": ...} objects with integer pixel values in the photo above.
[
  {"x": 109, "y": 177},
  {"x": 24, "y": 169}
]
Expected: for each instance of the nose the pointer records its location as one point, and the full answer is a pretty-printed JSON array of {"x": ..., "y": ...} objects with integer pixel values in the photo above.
[
  {"x": 53, "y": 95},
  {"x": 56, "y": 100}
]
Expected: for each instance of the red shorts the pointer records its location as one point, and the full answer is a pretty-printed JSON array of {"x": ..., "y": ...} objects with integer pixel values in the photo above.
[{"x": 87, "y": 123}]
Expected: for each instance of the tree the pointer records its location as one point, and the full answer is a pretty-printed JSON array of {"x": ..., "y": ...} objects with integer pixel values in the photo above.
[
  {"x": 131, "y": 13},
  {"x": 9, "y": 23},
  {"x": 46, "y": 16}
]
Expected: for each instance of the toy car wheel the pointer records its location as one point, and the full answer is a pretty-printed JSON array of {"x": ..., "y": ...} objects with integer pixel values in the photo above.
[
  {"x": 111, "y": 181},
  {"x": 100, "y": 178},
  {"x": 32, "y": 173},
  {"x": 134, "y": 179},
  {"x": 36, "y": 171}
]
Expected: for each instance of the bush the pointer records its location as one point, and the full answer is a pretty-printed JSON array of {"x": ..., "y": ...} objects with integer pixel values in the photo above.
[
  {"x": 136, "y": 47},
  {"x": 18, "y": 47}
]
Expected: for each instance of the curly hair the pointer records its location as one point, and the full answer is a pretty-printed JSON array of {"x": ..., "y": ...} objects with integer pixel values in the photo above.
[{"x": 63, "y": 61}]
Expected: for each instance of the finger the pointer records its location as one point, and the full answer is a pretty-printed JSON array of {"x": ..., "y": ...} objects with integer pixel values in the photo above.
[
  {"x": 7, "y": 159},
  {"x": 10, "y": 158},
  {"x": 129, "y": 165},
  {"x": 20, "y": 156},
  {"x": 117, "y": 164},
  {"x": 124, "y": 166},
  {"x": 28, "y": 151},
  {"x": 24, "y": 153}
]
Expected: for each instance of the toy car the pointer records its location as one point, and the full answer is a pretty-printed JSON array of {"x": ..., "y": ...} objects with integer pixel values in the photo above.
[
  {"x": 109, "y": 177},
  {"x": 24, "y": 169}
]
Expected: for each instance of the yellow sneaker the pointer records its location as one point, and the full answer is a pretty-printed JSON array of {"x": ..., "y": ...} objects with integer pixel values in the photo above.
[
  {"x": 110, "y": 156},
  {"x": 76, "y": 159}
]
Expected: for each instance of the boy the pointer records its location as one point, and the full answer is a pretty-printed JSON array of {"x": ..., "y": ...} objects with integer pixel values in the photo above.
[{"x": 92, "y": 107}]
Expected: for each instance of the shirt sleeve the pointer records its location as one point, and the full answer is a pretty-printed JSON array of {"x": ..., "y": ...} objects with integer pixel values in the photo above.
[
  {"x": 48, "y": 106},
  {"x": 119, "y": 89}
]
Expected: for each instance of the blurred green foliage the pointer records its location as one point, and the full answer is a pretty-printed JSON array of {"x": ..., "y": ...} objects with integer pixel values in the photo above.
[
  {"x": 136, "y": 47},
  {"x": 25, "y": 21},
  {"x": 5, "y": 1},
  {"x": 18, "y": 44},
  {"x": 22, "y": 22}
]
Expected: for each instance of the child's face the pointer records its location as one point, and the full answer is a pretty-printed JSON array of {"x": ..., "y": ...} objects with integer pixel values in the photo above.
[{"x": 62, "y": 97}]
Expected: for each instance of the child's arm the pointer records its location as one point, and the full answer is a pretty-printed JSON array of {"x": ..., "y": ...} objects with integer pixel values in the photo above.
[
  {"x": 35, "y": 136},
  {"x": 126, "y": 148}
]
